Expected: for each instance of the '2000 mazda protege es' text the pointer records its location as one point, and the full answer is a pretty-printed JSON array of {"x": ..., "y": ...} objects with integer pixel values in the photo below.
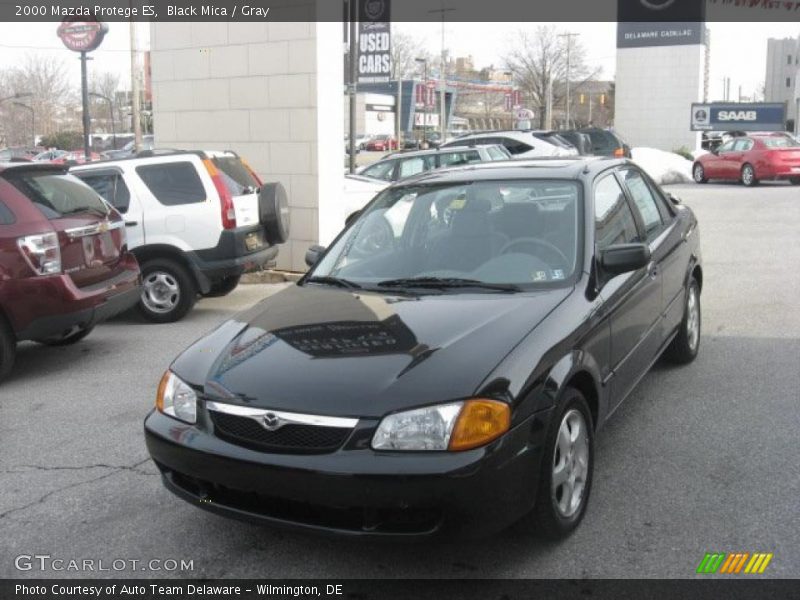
[{"x": 446, "y": 362}]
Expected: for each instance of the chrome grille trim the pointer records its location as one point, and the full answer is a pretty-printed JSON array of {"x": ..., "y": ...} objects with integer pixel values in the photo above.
[{"x": 287, "y": 418}]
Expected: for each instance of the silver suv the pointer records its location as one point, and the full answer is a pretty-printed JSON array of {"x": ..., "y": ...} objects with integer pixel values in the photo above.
[{"x": 405, "y": 164}]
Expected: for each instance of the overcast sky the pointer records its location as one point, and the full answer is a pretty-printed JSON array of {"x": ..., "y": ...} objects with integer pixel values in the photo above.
[{"x": 738, "y": 50}]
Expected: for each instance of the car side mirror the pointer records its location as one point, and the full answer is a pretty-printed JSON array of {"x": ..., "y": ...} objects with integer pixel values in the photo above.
[
  {"x": 673, "y": 198},
  {"x": 351, "y": 217},
  {"x": 624, "y": 258},
  {"x": 313, "y": 255}
]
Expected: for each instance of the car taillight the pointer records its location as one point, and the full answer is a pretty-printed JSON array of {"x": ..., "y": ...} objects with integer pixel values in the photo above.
[
  {"x": 42, "y": 252},
  {"x": 225, "y": 197}
]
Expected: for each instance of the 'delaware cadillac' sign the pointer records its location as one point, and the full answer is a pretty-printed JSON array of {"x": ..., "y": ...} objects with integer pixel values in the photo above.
[
  {"x": 374, "y": 41},
  {"x": 643, "y": 23}
]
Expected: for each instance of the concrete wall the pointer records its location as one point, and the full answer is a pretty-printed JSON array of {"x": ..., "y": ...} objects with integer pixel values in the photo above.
[
  {"x": 655, "y": 87},
  {"x": 257, "y": 89},
  {"x": 783, "y": 64}
]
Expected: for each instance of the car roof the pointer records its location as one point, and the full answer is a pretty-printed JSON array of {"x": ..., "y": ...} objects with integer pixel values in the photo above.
[
  {"x": 537, "y": 168},
  {"x": 443, "y": 150},
  {"x": 158, "y": 154}
]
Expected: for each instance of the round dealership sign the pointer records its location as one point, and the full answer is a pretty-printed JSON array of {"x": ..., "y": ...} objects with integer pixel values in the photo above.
[{"x": 82, "y": 36}]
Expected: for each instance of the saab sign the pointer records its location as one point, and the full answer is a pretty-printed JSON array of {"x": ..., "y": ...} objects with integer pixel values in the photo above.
[{"x": 734, "y": 116}]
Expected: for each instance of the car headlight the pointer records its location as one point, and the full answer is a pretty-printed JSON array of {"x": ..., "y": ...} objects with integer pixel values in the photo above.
[
  {"x": 176, "y": 399},
  {"x": 454, "y": 426}
]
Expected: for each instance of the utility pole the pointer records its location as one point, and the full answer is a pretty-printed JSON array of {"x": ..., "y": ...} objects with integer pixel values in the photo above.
[
  {"x": 135, "y": 108},
  {"x": 353, "y": 70},
  {"x": 569, "y": 36},
  {"x": 442, "y": 77}
]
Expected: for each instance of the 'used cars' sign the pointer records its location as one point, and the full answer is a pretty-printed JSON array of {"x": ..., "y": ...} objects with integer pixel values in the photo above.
[
  {"x": 374, "y": 40},
  {"x": 738, "y": 116}
]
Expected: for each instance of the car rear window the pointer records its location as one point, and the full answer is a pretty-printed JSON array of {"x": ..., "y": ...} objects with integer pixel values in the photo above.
[
  {"x": 6, "y": 216},
  {"x": 779, "y": 142},
  {"x": 174, "y": 183},
  {"x": 237, "y": 178},
  {"x": 57, "y": 195},
  {"x": 603, "y": 142}
]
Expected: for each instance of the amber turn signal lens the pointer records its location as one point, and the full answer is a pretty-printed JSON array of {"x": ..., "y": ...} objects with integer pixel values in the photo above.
[
  {"x": 162, "y": 387},
  {"x": 479, "y": 422},
  {"x": 619, "y": 153}
]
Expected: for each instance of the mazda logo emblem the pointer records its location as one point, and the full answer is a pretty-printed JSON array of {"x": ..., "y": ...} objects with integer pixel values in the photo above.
[
  {"x": 272, "y": 421},
  {"x": 657, "y": 4}
]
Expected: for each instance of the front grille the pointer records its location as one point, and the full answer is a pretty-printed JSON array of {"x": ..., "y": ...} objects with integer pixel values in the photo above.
[
  {"x": 419, "y": 521},
  {"x": 291, "y": 438}
]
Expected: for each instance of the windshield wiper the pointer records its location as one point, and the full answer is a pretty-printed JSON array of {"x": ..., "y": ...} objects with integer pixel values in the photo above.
[
  {"x": 338, "y": 281},
  {"x": 447, "y": 282}
]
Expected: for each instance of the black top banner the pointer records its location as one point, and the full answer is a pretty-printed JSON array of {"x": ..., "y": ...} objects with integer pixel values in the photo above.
[{"x": 634, "y": 11}]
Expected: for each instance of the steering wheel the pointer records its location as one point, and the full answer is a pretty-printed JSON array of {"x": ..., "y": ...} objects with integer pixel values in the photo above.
[
  {"x": 376, "y": 235},
  {"x": 536, "y": 242}
]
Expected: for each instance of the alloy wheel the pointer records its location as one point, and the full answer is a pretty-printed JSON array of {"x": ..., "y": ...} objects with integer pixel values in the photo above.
[
  {"x": 160, "y": 292},
  {"x": 748, "y": 175},
  {"x": 693, "y": 319},
  {"x": 570, "y": 464},
  {"x": 699, "y": 174}
]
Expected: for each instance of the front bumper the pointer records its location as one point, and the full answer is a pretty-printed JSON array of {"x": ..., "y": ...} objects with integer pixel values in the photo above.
[{"x": 354, "y": 492}]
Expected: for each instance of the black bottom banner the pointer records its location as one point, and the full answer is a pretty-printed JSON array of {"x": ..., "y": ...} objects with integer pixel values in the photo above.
[{"x": 401, "y": 589}]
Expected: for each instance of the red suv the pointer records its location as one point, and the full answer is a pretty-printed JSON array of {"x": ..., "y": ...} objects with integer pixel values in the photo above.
[{"x": 64, "y": 260}]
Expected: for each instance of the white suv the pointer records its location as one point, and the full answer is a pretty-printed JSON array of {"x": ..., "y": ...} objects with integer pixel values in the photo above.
[
  {"x": 195, "y": 221},
  {"x": 520, "y": 143}
]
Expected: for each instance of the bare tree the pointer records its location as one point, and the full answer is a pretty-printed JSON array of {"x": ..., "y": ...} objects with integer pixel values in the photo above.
[
  {"x": 538, "y": 60},
  {"x": 45, "y": 78},
  {"x": 105, "y": 84},
  {"x": 405, "y": 51}
]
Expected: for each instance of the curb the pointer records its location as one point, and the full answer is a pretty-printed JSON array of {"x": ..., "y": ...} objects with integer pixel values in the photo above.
[{"x": 270, "y": 276}]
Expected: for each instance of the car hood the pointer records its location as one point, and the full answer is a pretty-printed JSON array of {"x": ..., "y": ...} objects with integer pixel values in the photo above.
[{"x": 328, "y": 351}]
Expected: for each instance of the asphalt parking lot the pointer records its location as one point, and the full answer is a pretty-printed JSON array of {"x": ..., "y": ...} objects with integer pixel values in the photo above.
[{"x": 700, "y": 458}]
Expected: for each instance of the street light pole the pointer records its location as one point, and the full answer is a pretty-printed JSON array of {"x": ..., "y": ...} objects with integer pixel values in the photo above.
[
  {"x": 33, "y": 119},
  {"x": 442, "y": 77},
  {"x": 569, "y": 37},
  {"x": 424, "y": 62}
]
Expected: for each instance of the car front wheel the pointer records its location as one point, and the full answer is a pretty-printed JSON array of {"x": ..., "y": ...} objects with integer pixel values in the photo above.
[
  {"x": 699, "y": 173},
  {"x": 168, "y": 291},
  {"x": 565, "y": 479},
  {"x": 686, "y": 344}
]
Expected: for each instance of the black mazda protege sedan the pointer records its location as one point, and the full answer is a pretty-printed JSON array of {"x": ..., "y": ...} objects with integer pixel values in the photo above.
[{"x": 446, "y": 363}]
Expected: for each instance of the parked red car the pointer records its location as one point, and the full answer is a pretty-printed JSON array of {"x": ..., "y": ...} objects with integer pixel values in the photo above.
[
  {"x": 64, "y": 260},
  {"x": 76, "y": 157},
  {"x": 750, "y": 159},
  {"x": 382, "y": 143}
]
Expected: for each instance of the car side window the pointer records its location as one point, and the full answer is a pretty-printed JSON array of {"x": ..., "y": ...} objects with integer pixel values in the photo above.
[
  {"x": 514, "y": 146},
  {"x": 412, "y": 166},
  {"x": 645, "y": 202},
  {"x": 111, "y": 187},
  {"x": 727, "y": 146},
  {"x": 6, "y": 216},
  {"x": 173, "y": 184},
  {"x": 383, "y": 170},
  {"x": 458, "y": 158},
  {"x": 613, "y": 218},
  {"x": 742, "y": 145}
]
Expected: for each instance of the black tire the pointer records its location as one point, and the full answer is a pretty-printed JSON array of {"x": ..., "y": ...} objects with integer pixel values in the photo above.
[
  {"x": 8, "y": 348},
  {"x": 223, "y": 287},
  {"x": 546, "y": 519},
  {"x": 683, "y": 349},
  {"x": 699, "y": 173},
  {"x": 171, "y": 302},
  {"x": 747, "y": 179},
  {"x": 67, "y": 340}
]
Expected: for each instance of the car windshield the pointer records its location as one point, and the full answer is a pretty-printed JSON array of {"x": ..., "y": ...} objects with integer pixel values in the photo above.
[{"x": 521, "y": 233}]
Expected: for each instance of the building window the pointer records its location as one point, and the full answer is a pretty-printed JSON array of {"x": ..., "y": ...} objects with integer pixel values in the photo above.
[
  {"x": 788, "y": 82},
  {"x": 789, "y": 59}
]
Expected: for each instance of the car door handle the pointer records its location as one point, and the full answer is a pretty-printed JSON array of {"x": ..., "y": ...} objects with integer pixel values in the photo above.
[{"x": 131, "y": 223}]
